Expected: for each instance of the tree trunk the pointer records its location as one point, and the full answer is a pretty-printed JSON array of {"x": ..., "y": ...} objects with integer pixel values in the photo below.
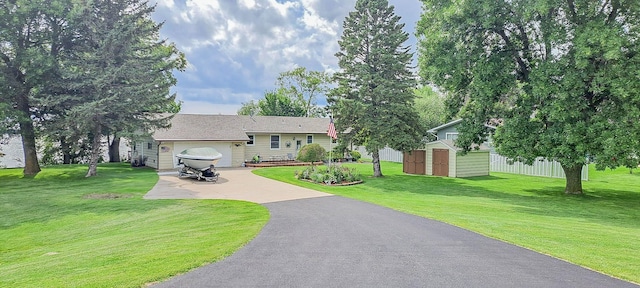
[
  {"x": 95, "y": 150},
  {"x": 66, "y": 151},
  {"x": 114, "y": 149},
  {"x": 573, "y": 175},
  {"x": 27, "y": 131},
  {"x": 377, "y": 172}
]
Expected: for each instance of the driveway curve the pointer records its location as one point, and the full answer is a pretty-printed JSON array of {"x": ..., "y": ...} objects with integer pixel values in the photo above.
[{"x": 318, "y": 240}]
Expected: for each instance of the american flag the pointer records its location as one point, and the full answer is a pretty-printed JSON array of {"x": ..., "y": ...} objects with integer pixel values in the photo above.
[{"x": 332, "y": 130}]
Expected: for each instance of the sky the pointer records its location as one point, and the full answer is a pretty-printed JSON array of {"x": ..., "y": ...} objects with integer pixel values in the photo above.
[{"x": 237, "y": 48}]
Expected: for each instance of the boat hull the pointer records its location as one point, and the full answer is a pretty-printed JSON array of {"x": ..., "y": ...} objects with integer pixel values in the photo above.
[
  {"x": 199, "y": 163},
  {"x": 199, "y": 158}
]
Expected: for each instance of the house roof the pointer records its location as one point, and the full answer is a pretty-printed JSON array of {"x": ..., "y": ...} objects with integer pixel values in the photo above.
[
  {"x": 453, "y": 123},
  {"x": 281, "y": 124},
  {"x": 449, "y": 124},
  {"x": 452, "y": 146},
  {"x": 202, "y": 127}
]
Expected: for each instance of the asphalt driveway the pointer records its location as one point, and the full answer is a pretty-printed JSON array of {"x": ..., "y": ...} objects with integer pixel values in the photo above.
[{"x": 318, "y": 240}]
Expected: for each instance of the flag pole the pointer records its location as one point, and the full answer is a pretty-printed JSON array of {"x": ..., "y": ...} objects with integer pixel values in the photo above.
[
  {"x": 330, "y": 150},
  {"x": 332, "y": 135}
]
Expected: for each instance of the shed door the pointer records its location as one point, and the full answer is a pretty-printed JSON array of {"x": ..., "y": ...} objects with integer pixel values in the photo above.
[
  {"x": 413, "y": 162},
  {"x": 440, "y": 162}
]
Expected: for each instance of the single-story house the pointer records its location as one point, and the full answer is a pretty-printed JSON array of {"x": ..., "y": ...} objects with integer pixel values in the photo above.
[
  {"x": 442, "y": 158},
  {"x": 239, "y": 138}
]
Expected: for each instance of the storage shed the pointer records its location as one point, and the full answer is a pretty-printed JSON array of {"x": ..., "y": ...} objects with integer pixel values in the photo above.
[{"x": 440, "y": 158}]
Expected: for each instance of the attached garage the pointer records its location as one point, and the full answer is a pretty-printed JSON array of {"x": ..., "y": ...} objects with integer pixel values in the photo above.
[
  {"x": 440, "y": 158},
  {"x": 223, "y": 147}
]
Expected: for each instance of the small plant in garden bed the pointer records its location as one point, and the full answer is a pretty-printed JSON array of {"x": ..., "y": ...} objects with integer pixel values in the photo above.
[{"x": 329, "y": 175}]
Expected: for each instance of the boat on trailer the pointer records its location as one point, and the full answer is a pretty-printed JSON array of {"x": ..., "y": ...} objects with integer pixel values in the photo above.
[{"x": 199, "y": 163}]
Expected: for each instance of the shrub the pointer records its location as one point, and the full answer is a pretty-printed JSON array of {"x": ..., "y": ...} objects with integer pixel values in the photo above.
[
  {"x": 329, "y": 175},
  {"x": 311, "y": 153},
  {"x": 355, "y": 155}
]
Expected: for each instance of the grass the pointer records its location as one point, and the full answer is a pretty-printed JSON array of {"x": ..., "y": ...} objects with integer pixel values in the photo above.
[
  {"x": 60, "y": 229},
  {"x": 600, "y": 230}
]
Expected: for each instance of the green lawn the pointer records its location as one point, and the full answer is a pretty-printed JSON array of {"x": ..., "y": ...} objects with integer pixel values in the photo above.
[
  {"x": 61, "y": 229},
  {"x": 600, "y": 230}
]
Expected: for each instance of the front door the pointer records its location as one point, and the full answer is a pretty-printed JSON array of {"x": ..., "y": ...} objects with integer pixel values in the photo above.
[
  {"x": 440, "y": 162},
  {"x": 298, "y": 144}
]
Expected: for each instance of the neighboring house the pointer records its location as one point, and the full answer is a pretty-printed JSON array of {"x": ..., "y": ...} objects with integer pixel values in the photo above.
[
  {"x": 441, "y": 157},
  {"x": 447, "y": 131},
  {"x": 12, "y": 153},
  {"x": 239, "y": 138}
]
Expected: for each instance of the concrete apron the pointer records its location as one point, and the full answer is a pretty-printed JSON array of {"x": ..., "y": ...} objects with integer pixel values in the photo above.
[{"x": 233, "y": 184}]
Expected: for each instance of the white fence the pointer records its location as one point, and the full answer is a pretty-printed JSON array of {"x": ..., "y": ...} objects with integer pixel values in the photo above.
[
  {"x": 386, "y": 154},
  {"x": 540, "y": 167}
]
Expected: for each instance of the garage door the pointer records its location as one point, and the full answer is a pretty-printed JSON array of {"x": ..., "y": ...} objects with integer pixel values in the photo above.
[{"x": 222, "y": 147}]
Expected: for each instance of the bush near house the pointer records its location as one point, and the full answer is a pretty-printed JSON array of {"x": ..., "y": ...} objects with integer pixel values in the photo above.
[
  {"x": 339, "y": 152},
  {"x": 355, "y": 155},
  {"x": 311, "y": 153}
]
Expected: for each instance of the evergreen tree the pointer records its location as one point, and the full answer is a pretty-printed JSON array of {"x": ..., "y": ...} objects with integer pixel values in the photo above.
[
  {"x": 119, "y": 74},
  {"x": 561, "y": 76},
  {"x": 373, "y": 103},
  {"x": 33, "y": 34}
]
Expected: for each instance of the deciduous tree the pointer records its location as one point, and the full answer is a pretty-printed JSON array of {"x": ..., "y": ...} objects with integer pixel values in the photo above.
[
  {"x": 430, "y": 106},
  {"x": 373, "y": 103},
  {"x": 304, "y": 87},
  {"x": 562, "y": 76},
  {"x": 276, "y": 103}
]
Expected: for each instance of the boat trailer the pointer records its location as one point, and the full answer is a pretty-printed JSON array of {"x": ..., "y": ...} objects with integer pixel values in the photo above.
[{"x": 208, "y": 174}]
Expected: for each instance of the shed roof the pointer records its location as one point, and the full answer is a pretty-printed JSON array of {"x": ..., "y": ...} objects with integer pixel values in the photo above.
[{"x": 202, "y": 127}]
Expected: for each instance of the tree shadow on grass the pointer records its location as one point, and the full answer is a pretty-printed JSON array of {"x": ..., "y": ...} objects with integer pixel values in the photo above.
[{"x": 527, "y": 194}]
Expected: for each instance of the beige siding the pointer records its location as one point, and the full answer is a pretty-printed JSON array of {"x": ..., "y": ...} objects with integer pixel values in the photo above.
[
  {"x": 429, "y": 160},
  {"x": 152, "y": 154},
  {"x": 238, "y": 155},
  {"x": 473, "y": 164},
  {"x": 165, "y": 157},
  {"x": 262, "y": 145},
  {"x": 141, "y": 148}
]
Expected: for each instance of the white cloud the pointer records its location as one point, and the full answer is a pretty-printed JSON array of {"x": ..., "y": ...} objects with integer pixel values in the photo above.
[
  {"x": 236, "y": 49},
  {"x": 204, "y": 107}
]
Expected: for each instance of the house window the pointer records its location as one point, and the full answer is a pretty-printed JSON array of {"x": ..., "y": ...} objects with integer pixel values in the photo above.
[
  {"x": 309, "y": 139},
  {"x": 148, "y": 145},
  {"x": 451, "y": 136},
  {"x": 251, "y": 139},
  {"x": 334, "y": 140},
  {"x": 275, "y": 141}
]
